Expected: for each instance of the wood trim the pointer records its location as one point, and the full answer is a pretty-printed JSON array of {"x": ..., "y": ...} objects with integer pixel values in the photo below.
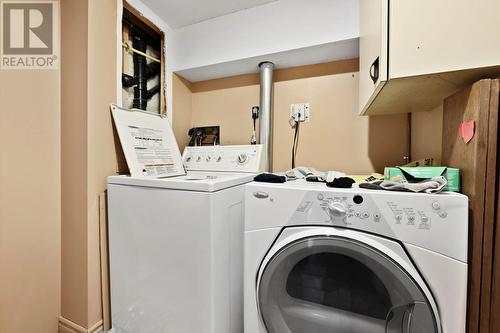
[
  {"x": 471, "y": 103},
  {"x": 125, "y": 64},
  {"x": 67, "y": 326},
  {"x": 104, "y": 252},
  {"x": 495, "y": 280},
  {"x": 283, "y": 74},
  {"x": 327, "y": 68},
  {"x": 96, "y": 328},
  {"x": 140, "y": 16},
  {"x": 489, "y": 209},
  {"x": 477, "y": 207},
  {"x": 224, "y": 83},
  {"x": 163, "y": 90}
]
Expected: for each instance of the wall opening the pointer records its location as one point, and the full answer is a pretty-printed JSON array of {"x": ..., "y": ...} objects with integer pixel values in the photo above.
[{"x": 143, "y": 65}]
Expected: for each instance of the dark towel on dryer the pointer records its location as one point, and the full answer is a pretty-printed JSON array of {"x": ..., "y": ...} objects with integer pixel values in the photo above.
[
  {"x": 371, "y": 186},
  {"x": 269, "y": 178},
  {"x": 342, "y": 182}
]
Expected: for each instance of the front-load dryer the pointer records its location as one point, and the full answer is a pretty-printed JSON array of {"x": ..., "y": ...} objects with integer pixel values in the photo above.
[
  {"x": 354, "y": 261},
  {"x": 176, "y": 245}
]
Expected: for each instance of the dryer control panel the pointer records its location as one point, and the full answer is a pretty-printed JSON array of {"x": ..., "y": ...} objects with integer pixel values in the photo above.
[
  {"x": 352, "y": 209},
  {"x": 430, "y": 221},
  {"x": 237, "y": 158}
]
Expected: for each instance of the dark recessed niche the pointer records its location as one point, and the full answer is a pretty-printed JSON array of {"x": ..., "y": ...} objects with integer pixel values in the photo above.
[{"x": 143, "y": 65}]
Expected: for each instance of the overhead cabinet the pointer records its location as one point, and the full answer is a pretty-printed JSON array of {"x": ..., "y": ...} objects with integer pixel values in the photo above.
[{"x": 415, "y": 53}]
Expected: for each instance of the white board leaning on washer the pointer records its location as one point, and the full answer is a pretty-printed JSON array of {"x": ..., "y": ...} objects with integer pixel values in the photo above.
[{"x": 148, "y": 143}]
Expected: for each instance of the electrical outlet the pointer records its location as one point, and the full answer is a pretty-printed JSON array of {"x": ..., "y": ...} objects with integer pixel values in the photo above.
[{"x": 299, "y": 112}]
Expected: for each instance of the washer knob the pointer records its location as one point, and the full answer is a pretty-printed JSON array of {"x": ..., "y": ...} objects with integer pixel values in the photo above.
[
  {"x": 242, "y": 158},
  {"x": 336, "y": 209}
]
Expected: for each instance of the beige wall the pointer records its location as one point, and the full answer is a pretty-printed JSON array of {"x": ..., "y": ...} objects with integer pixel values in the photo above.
[
  {"x": 74, "y": 125},
  {"x": 29, "y": 201},
  {"x": 88, "y": 151},
  {"x": 229, "y": 108},
  {"x": 427, "y": 132},
  {"x": 101, "y": 146},
  {"x": 182, "y": 104},
  {"x": 57, "y": 143},
  {"x": 335, "y": 138}
]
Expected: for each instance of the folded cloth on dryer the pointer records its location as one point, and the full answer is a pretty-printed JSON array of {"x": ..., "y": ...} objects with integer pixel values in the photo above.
[
  {"x": 433, "y": 185},
  {"x": 342, "y": 182},
  {"x": 313, "y": 175},
  {"x": 269, "y": 178}
]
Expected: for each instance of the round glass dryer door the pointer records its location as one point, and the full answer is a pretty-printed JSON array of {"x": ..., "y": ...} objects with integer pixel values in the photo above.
[{"x": 328, "y": 284}]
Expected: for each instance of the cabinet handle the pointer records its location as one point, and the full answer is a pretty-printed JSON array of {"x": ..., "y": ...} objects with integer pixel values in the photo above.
[{"x": 374, "y": 70}]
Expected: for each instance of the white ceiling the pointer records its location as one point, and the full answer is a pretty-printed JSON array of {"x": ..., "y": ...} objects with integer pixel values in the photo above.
[
  {"x": 180, "y": 13},
  {"x": 346, "y": 49}
]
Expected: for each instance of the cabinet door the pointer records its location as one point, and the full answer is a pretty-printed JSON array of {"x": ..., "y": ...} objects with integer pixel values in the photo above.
[
  {"x": 429, "y": 36},
  {"x": 372, "y": 49}
]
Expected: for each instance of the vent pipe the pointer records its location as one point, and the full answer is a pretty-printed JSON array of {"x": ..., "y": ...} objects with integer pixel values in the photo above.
[{"x": 266, "y": 113}]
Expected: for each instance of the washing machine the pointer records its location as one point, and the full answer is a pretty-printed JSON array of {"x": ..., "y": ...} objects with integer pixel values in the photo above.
[
  {"x": 354, "y": 260},
  {"x": 176, "y": 245}
]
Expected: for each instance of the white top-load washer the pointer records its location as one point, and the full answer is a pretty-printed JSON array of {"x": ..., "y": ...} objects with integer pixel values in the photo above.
[
  {"x": 321, "y": 260},
  {"x": 176, "y": 245}
]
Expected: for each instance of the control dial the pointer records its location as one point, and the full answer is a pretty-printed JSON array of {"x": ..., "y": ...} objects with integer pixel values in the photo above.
[
  {"x": 336, "y": 209},
  {"x": 242, "y": 158}
]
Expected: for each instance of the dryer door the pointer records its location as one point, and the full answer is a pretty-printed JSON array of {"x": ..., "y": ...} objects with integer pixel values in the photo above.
[{"x": 331, "y": 284}]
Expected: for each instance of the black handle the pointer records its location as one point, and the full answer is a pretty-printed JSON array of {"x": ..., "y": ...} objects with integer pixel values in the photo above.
[
  {"x": 374, "y": 70},
  {"x": 398, "y": 319}
]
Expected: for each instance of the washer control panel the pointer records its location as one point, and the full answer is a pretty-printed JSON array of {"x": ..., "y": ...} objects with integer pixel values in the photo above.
[{"x": 241, "y": 158}]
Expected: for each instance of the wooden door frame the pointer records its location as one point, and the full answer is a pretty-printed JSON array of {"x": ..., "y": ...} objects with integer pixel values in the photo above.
[
  {"x": 494, "y": 322},
  {"x": 478, "y": 164}
]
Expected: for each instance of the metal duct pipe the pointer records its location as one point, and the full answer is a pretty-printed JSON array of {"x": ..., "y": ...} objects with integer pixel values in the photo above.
[{"x": 266, "y": 113}]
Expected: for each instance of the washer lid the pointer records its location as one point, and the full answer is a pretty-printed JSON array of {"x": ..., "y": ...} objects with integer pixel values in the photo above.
[
  {"x": 333, "y": 281},
  {"x": 193, "y": 181}
]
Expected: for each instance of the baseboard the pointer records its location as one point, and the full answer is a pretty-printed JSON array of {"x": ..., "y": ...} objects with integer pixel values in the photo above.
[{"x": 67, "y": 326}]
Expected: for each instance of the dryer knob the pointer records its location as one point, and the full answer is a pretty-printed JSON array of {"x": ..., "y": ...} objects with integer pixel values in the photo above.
[
  {"x": 242, "y": 158},
  {"x": 336, "y": 209}
]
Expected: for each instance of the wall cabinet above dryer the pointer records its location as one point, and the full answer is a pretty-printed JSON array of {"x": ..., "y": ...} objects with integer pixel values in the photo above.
[{"x": 415, "y": 53}]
